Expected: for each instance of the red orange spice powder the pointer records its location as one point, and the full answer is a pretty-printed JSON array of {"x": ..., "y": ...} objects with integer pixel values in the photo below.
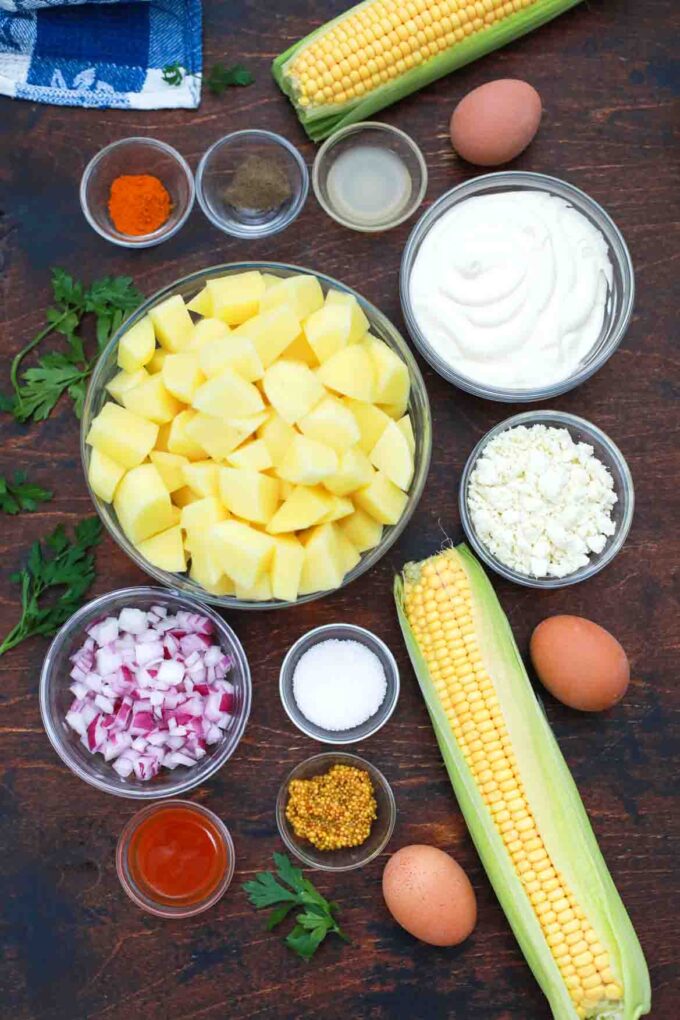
[{"x": 138, "y": 204}]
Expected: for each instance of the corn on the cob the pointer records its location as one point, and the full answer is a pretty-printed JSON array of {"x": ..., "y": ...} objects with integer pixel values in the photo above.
[
  {"x": 382, "y": 50},
  {"x": 517, "y": 795}
]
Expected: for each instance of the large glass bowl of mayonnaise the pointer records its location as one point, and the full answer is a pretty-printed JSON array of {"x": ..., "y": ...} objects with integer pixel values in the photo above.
[{"x": 516, "y": 286}]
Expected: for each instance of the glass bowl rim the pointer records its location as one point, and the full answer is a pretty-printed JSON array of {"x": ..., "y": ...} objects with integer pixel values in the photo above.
[
  {"x": 357, "y": 762},
  {"x": 130, "y": 886},
  {"x": 369, "y": 558},
  {"x": 387, "y": 129},
  {"x": 263, "y": 229},
  {"x": 144, "y": 240},
  {"x": 148, "y": 792},
  {"x": 554, "y": 186},
  {"x": 332, "y": 738},
  {"x": 626, "y": 498}
]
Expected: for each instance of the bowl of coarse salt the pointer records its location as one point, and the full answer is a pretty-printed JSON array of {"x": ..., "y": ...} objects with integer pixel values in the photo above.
[
  {"x": 546, "y": 499},
  {"x": 339, "y": 684}
]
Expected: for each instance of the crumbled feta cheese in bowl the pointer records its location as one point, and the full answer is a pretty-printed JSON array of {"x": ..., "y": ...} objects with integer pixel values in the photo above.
[{"x": 546, "y": 499}]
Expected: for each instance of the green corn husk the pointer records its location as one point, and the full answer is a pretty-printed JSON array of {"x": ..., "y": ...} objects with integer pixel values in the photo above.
[
  {"x": 555, "y": 802},
  {"x": 324, "y": 120}
]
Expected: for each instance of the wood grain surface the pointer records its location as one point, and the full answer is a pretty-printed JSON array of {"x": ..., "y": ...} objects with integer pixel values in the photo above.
[{"x": 74, "y": 946}]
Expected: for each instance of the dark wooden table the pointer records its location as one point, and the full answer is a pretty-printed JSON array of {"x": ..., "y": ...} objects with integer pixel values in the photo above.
[{"x": 75, "y": 947}]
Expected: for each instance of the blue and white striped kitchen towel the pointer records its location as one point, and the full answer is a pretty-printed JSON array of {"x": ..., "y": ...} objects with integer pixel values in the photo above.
[{"x": 102, "y": 53}]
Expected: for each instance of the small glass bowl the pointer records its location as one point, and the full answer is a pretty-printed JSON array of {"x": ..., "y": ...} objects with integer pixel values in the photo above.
[
  {"x": 56, "y": 698},
  {"x": 136, "y": 156},
  {"x": 605, "y": 450},
  {"x": 139, "y": 896},
  {"x": 380, "y": 325},
  {"x": 384, "y": 136},
  {"x": 342, "y": 632},
  {"x": 352, "y": 857},
  {"x": 620, "y": 298},
  {"x": 216, "y": 172}
]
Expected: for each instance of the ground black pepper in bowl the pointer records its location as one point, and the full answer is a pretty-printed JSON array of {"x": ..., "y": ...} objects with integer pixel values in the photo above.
[{"x": 259, "y": 184}]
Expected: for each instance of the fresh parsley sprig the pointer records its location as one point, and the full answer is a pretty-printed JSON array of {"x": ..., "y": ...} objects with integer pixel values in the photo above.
[
  {"x": 19, "y": 494},
  {"x": 173, "y": 74},
  {"x": 221, "y": 78},
  {"x": 286, "y": 891},
  {"x": 110, "y": 300},
  {"x": 59, "y": 563}
]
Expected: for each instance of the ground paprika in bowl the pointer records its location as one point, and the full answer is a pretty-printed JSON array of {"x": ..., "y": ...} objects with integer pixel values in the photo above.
[{"x": 137, "y": 192}]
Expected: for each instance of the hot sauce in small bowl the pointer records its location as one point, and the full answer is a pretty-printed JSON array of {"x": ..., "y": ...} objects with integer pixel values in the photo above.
[{"x": 175, "y": 858}]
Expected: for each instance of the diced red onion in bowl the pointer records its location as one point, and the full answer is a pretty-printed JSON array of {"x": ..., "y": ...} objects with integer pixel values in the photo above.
[{"x": 150, "y": 690}]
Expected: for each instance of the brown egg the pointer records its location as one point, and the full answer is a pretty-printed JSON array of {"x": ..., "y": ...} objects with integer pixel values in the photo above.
[
  {"x": 429, "y": 895},
  {"x": 580, "y": 663},
  {"x": 495, "y": 122}
]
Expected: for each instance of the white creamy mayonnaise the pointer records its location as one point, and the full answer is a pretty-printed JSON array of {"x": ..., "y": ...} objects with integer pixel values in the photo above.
[{"x": 510, "y": 289}]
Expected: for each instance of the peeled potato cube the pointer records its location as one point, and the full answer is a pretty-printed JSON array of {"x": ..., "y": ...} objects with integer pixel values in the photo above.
[
  {"x": 328, "y": 330},
  {"x": 331, "y": 422},
  {"x": 247, "y": 425},
  {"x": 200, "y": 516},
  {"x": 354, "y": 471},
  {"x": 363, "y": 531},
  {"x": 255, "y": 456},
  {"x": 286, "y": 567},
  {"x": 205, "y": 569},
  {"x": 372, "y": 421},
  {"x": 170, "y": 468},
  {"x": 142, "y": 503},
  {"x": 236, "y": 352},
  {"x": 304, "y": 507},
  {"x": 123, "y": 436},
  {"x": 137, "y": 345},
  {"x": 236, "y": 298},
  {"x": 172, "y": 323},
  {"x": 261, "y": 591},
  {"x": 124, "y": 381},
  {"x": 181, "y": 438},
  {"x": 201, "y": 303},
  {"x": 104, "y": 474},
  {"x": 211, "y": 436},
  {"x": 277, "y": 435},
  {"x": 302, "y": 292},
  {"x": 300, "y": 350},
  {"x": 205, "y": 331},
  {"x": 382, "y": 499},
  {"x": 249, "y": 494},
  {"x": 227, "y": 395},
  {"x": 360, "y": 323},
  {"x": 392, "y": 381},
  {"x": 184, "y": 497},
  {"x": 406, "y": 428},
  {"x": 322, "y": 567},
  {"x": 349, "y": 555},
  {"x": 165, "y": 550},
  {"x": 271, "y": 332},
  {"x": 392, "y": 455},
  {"x": 342, "y": 507},
  {"x": 201, "y": 476},
  {"x": 307, "y": 461},
  {"x": 156, "y": 363},
  {"x": 349, "y": 371},
  {"x": 150, "y": 399},
  {"x": 182, "y": 375},
  {"x": 243, "y": 552},
  {"x": 292, "y": 389},
  {"x": 397, "y": 410}
]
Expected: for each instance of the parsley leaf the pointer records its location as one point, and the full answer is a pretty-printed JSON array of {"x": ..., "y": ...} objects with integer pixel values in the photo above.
[
  {"x": 20, "y": 494},
  {"x": 58, "y": 563},
  {"x": 173, "y": 74},
  {"x": 221, "y": 78},
  {"x": 316, "y": 919},
  {"x": 110, "y": 300}
]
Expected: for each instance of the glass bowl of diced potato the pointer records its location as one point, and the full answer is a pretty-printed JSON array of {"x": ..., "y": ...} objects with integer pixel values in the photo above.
[{"x": 256, "y": 435}]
